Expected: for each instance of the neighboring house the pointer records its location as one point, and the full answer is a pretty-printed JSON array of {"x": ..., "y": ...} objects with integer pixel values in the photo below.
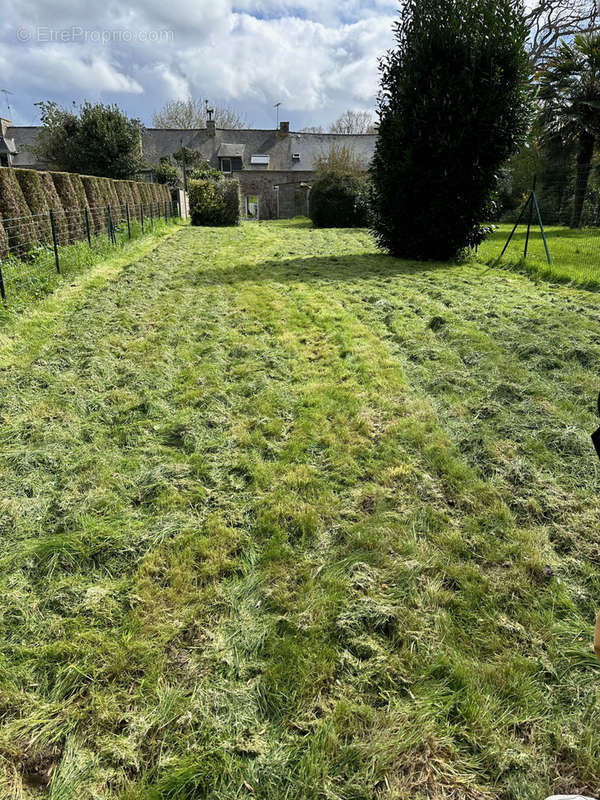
[{"x": 275, "y": 167}]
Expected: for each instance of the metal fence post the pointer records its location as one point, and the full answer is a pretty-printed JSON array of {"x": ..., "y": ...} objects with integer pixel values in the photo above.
[
  {"x": 166, "y": 212},
  {"x": 87, "y": 226},
  {"x": 128, "y": 220},
  {"x": 2, "y": 290},
  {"x": 54, "y": 241},
  {"x": 142, "y": 215},
  {"x": 111, "y": 227},
  {"x": 151, "y": 216}
]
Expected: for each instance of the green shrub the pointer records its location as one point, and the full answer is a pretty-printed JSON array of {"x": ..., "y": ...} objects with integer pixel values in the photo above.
[
  {"x": 33, "y": 191},
  {"x": 339, "y": 200},
  {"x": 53, "y": 201},
  {"x": 68, "y": 198},
  {"x": 16, "y": 217},
  {"x": 215, "y": 202},
  {"x": 453, "y": 107},
  {"x": 167, "y": 173},
  {"x": 95, "y": 199}
]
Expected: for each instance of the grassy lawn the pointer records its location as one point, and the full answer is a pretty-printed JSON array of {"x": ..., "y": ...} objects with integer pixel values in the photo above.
[
  {"x": 286, "y": 518},
  {"x": 575, "y": 254}
]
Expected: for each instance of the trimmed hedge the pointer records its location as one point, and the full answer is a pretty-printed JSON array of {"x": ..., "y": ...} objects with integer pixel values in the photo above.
[
  {"x": 68, "y": 198},
  {"x": 339, "y": 200},
  {"x": 125, "y": 194},
  {"x": 215, "y": 202},
  {"x": 135, "y": 192},
  {"x": 95, "y": 199},
  {"x": 35, "y": 197},
  {"x": 17, "y": 219},
  {"x": 53, "y": 201},
  {"x": 24, "y": 193}
]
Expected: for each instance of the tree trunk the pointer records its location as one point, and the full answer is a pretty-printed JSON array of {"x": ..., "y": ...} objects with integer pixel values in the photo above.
[{"x": 585, "y": 153}]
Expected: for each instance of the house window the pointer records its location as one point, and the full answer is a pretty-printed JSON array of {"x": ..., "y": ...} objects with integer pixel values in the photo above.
[
  {"x": 4, "y": 160},
  {"x": 226, "y": 165},
  {"x": 295, "y": 156},
  {"x": 259, "y": 160}
]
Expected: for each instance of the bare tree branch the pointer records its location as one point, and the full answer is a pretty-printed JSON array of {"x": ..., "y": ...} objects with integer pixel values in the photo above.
[
  {"x": 191, "y": 113},
  {"x": 353, "y": 122},
  {"x": 551, "y": 21}
]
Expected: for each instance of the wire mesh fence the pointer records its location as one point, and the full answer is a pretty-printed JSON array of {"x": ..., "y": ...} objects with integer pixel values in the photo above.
[
  {"x": 553, "y": 225},
  {"x": 38, "y": 246}
]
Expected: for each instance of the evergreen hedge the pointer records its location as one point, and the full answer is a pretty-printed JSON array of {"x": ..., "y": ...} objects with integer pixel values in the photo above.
[
  {"x": 215, "y": 202},
  {"x": 122, "y": 196},
  {"x": 135, "y": 193},
  {"x": 95, "y": 200},
  {"x": 53, "y": 201},
  {"x": 35, "y": 197},
  {"x": 453, "y": 107},
  {"x": 339, "y": 199},
  {"x": 24, "y": 193},
  {"x": 16, "y": 217},
  {"x": 68, "y": 198}
]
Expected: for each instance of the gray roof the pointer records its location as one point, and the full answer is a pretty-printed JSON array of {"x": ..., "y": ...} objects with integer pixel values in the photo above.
[
  {"x": 158, "y": 143},
  {"x": 7, "y": 145},
  {"x": 227, "y": 150},
  {"x": 25, "y": 139}
]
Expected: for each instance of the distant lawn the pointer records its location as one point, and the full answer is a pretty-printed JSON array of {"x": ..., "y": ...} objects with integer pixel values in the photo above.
[
  {"x": 575, "y": 254},
  {"x": 284, "y": 518}
]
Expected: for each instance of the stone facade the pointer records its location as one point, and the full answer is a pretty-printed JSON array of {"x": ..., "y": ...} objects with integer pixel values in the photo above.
[{"x": 275, "y": 166}]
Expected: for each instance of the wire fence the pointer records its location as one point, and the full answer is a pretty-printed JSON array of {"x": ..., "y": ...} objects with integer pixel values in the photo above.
[
  {"x": 41, "y": 245},
  {"x": 554, "y": 223}
]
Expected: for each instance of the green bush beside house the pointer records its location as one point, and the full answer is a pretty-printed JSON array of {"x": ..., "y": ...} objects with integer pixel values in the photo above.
[
  {"x": 213, "y": 202},
  {"x": 339, "y": 199}
]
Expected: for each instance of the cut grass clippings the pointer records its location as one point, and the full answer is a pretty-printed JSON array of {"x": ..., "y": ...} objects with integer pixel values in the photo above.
[{"x": 284, "y": 517}]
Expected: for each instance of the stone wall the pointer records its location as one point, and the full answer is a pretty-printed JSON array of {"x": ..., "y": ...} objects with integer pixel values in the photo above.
[{"x": 262, "y": 184}]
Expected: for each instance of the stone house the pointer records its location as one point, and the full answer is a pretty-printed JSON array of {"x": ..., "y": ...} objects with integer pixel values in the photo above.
[{"x": 275, "y": 167}]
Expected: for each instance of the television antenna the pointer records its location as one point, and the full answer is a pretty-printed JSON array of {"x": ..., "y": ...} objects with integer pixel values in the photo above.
[
  {"x": 277, "y": 107},
  {"x": 6, "y": 92}
]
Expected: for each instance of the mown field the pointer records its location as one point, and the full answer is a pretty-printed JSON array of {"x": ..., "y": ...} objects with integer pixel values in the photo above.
[
  {"x": 283, "y": 517},
  {"x": 575, "y": 254}
]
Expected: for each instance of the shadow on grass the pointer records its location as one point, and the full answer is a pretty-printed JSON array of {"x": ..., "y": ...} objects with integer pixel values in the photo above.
[{"x": 316, "y": 269}]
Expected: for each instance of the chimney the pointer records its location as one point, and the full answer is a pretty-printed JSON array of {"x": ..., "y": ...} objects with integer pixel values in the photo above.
[
  {"x": 211, "y": 127},
  {"x": 284, "y": 128}
]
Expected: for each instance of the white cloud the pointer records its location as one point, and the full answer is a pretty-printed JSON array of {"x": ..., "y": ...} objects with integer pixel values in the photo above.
[{"x": 317, "y": 56}]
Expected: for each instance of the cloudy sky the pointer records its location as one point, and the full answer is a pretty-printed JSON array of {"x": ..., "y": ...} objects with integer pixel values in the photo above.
[{"x": 318, "y": 57}]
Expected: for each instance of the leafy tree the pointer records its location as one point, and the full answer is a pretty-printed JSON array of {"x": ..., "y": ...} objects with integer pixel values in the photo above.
[
  {"x": 168, "y": 172},
  {"x": 569, "y": 90},
  {"x": 453, "y": 107},
  {"x": 192, "y": 113},
  {"x": 95, "y": 139}
]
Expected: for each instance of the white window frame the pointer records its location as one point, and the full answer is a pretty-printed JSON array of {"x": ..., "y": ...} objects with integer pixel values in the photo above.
[{"x": 226, "y": 171}]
